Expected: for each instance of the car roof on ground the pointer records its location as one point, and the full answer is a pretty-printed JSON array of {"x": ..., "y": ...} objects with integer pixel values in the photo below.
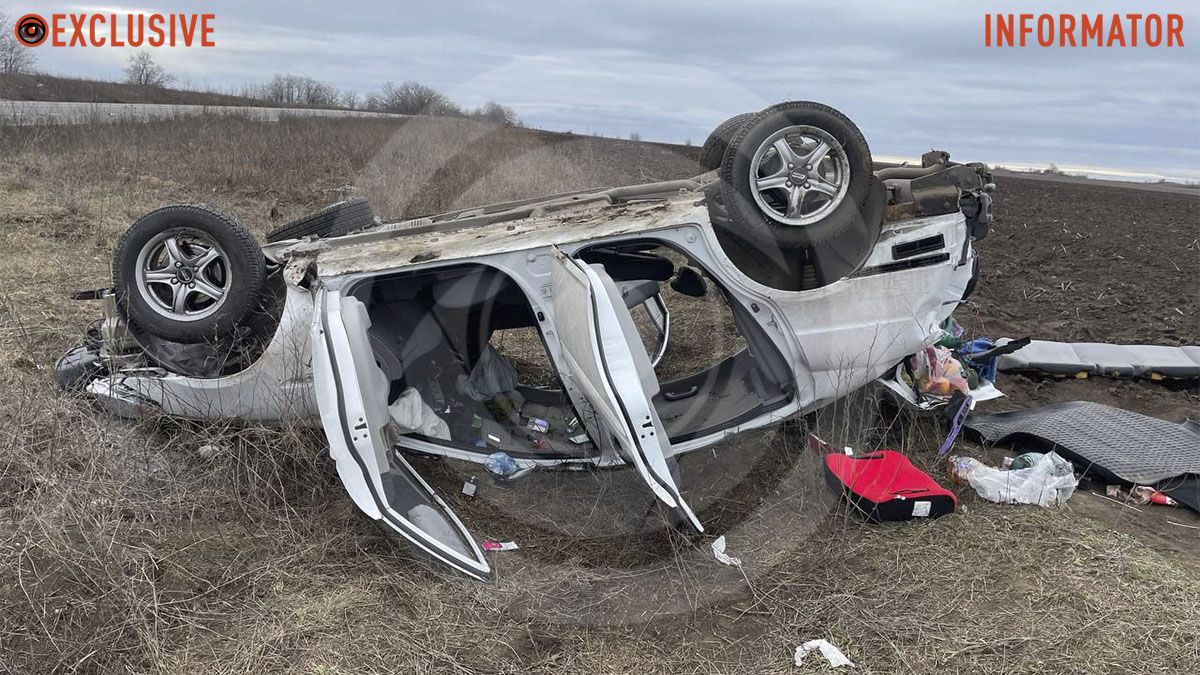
[{"x": 405, "y": 246}]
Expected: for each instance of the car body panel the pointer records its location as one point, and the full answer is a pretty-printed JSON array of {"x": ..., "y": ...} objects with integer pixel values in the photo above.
[
  {"x": 381, "y": 482},
  {"x": 277, "y": 386},
  {"x": 396, "y": 249},
  {"x": 600, "y": 358}
]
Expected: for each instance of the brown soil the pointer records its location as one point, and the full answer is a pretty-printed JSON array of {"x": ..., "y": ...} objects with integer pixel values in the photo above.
[{"x": 1079, "y": 262}]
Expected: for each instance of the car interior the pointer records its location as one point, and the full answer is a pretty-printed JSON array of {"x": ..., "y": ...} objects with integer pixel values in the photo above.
[
  {"x": 434, "y": 331},
  {"x": 700, "y": 387},
  {"x": 467, "y": 340}
]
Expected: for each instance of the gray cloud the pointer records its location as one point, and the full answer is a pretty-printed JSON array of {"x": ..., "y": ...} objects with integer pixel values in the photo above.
[{"x": 912, "y": 75}]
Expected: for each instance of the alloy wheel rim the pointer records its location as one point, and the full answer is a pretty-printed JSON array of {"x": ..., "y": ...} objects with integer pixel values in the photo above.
[
  {"x": 799, "y": 175},
  {"x": 183, "y": 274}
]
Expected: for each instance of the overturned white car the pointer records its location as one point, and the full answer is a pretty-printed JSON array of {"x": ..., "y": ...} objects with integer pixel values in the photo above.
[{"x": 833, "y": 273}]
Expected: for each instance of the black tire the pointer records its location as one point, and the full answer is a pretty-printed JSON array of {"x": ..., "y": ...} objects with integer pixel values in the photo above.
[
  {"x": 747, "y": 219},
  {"x": 334, "y": 220},
  {"x": 241, "y": 265},
  {"x": 717, "y": 142}
]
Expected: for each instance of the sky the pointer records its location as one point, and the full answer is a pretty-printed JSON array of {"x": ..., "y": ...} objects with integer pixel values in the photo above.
[{"x": 913, "y": 74}]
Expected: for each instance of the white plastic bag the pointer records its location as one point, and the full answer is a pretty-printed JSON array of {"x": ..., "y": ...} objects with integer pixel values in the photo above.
[
  {"x": 1049, "y": 482},
  {"x": 410, "y": 413},
  {"x": 832, "y": 654}
]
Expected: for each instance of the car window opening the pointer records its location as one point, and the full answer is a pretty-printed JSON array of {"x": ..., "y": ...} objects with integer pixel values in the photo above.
[
  {"x": 466, "y": 365},
  {"x": 710, "y": 379}
]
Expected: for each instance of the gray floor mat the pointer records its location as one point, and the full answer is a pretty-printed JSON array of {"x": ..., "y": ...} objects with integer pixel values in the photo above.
[
  {"x": 1128, "y": 445},
  {"x": 1095, "y": 358}
]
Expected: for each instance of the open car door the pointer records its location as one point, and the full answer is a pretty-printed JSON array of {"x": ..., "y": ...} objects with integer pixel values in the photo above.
[
  {"x": 605, "y": 356},
  {"x": 352, "y": 394}
]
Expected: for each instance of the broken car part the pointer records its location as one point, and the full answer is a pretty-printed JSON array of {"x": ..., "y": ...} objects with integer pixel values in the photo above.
[{"x": 1077, "y": 359}]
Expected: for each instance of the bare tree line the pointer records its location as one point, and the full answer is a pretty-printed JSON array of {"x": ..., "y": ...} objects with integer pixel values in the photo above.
[
  {"x": 14, "y": 56},
  {"x": 407, "y": 98},
  {"x": 285, "y": 89},
  {"x": 144, "y": 71}
]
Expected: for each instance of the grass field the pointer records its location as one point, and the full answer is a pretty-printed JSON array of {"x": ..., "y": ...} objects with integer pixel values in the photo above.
[
  {"x": 168, "y": 547},
  {"x": 31, "y": 87}
]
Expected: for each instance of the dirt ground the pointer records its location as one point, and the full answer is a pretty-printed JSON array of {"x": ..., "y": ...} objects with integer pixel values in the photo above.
[
  {"x": 1111, "y": 264},
  {"x": 168, "y": 547}
]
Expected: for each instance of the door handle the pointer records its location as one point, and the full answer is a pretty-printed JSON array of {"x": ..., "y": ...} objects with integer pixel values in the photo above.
[{"x": 680, "y": 395}]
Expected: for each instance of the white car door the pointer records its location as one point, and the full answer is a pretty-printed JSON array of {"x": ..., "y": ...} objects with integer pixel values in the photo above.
[
  {"x": 352, "y": 395},
  {"x": 606, "y": 360}
]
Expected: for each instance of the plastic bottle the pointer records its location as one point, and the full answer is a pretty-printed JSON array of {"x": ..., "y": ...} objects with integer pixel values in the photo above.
[
  {"x": 501, "y": 464},
  {"x": 960, "y": 468},
  {"x": 1026, "y": 460}
]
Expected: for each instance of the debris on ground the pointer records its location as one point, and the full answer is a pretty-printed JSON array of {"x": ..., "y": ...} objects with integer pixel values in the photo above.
[
  {"x": 493, "y": 545},
  {"x": 982, "y": 355},
  {"x": 832, "y": 654},
  {"x": 938, "y": 372},
  {"x": 1081, "y": 359},
  {"x": 885, "y": 486},
  {"x": 1113, "y": 445},
  {"x": 1050, "y": 481},
  {"x": 1140, "y": 494},
  {"x": 1025, "y": 460},
  {"x": 956, "y": 425},
  {"x": 211, "y": 450},
  {"x": 470, "y": 487},
  {"x": 718, "y": 547},
  {"x": 940, "y": 375}
]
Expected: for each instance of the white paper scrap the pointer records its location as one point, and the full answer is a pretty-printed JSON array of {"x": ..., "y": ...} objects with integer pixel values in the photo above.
[
  {"x": 832, "y": 654},
  {"x": 718, "y": 548}
]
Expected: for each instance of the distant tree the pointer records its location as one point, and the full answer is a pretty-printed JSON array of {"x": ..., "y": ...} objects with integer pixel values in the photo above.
[
  {"x": 349, "y": 99},
  {"x": 14, "y": 56},
  {"x": 287, "y": 89},
  {"x": 145, "y": 71},
  {"x": 413, "y": 98},
  {"x": 635, "y": 136},
  {"x": 500, "y": 114}
]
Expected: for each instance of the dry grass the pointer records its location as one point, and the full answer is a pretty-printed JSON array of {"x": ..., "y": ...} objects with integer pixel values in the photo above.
[
  {"x": 23, "y": 87},
  {"x": 123, "y": 548}
]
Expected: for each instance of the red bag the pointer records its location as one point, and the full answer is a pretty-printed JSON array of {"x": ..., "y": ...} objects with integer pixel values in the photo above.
[{"x": 885, "y": 486}]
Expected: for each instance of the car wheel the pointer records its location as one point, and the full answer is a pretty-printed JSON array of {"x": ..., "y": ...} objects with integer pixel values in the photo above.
[
  {"x": 334, "y": 220},
  {"x": 796, "y": 175},
  {"x": 714, "y": 147},
  {"x": 188, "y": 274}
]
